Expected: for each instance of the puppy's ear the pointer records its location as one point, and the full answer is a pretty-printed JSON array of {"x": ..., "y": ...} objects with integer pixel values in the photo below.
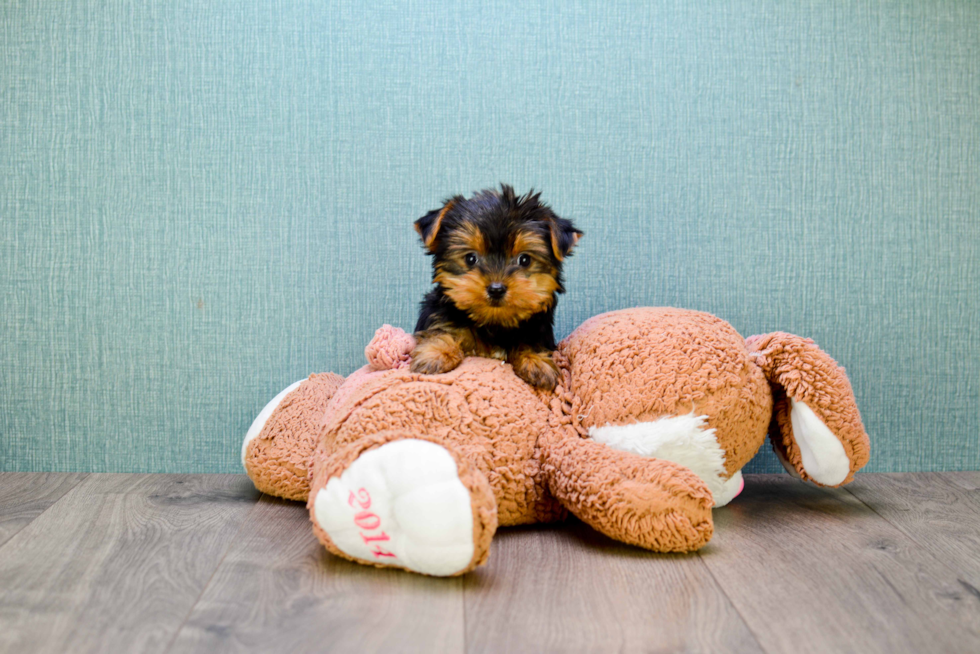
[
  {"x": 428, "y": 226},
  {"x": 564, "y": 236}
]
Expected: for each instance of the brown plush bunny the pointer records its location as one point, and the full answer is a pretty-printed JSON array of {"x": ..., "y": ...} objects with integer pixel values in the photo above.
[{"x": 656, "y": 413}]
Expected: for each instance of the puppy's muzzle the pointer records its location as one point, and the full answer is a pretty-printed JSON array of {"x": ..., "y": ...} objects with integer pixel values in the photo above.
[{"x": 496, "y": 291}]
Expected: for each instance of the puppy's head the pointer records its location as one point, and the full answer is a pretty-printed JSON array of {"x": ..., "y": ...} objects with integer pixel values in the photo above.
[{"x": 498, "y": 256}]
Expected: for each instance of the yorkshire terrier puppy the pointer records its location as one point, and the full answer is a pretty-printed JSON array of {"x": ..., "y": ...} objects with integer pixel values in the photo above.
[{"x": 497, "y": 261}]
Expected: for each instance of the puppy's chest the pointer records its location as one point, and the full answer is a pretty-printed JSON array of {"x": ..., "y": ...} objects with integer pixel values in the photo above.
[{"x": 494, "y": 342}]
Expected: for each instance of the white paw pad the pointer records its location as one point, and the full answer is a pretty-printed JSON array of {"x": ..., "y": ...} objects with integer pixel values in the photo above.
[
  {"x": 400, "y": 504},
  {"x": 822, "y": 454}
]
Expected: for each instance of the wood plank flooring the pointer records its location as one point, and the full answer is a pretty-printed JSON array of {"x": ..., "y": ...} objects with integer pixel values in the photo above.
[{"x": 203, "y": 563}]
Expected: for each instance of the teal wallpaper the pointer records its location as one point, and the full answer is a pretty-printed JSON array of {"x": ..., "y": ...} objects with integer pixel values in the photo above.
[{"x": 204, "y": 201}]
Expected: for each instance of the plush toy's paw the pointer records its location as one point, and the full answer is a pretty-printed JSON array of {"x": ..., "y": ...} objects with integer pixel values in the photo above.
[
  {"x": 407, "y": 504},
  {"x": 537, "y": 368},
  {"x": 435, "y": 354}
]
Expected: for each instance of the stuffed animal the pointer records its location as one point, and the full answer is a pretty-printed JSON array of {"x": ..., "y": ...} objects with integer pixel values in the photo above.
[{"x": 656, "y": 413}]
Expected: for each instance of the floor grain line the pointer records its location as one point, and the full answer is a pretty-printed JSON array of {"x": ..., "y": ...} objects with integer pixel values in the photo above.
[
  {"x": 734, "y": 605},
  {"x": 968, "y": 480},
  {"x": 25, "y": 496}
]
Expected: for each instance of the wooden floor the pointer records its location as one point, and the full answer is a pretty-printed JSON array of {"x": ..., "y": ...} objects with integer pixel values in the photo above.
[{"x": 203, "y": 563}]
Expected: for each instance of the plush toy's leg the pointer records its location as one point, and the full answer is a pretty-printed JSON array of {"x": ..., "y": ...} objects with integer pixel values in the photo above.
[
  {"x": 649, "y": 502},
  {"x": 821, "y": 437},
  {"x": 404, "y": 501},
  {"x": 279, "y": 444}
]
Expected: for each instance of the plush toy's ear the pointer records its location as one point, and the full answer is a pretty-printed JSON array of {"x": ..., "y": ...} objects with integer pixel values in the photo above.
[
  {"x": 428, "y": 226},
  {"x": 564, "y": 236}
]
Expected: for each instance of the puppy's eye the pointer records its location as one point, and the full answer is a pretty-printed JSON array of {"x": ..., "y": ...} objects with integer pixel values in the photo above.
[
  {"x": 470, "y": 259},
  {"x": 524, "y": 260}
]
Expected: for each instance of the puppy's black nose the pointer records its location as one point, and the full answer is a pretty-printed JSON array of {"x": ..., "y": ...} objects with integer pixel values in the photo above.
[{"x": 496, "y": 290}]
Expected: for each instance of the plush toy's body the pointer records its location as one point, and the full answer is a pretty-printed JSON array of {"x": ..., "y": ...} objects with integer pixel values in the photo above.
[{"x": 656, "y": 413}]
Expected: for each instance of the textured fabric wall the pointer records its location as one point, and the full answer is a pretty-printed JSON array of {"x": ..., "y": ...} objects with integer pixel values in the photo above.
[{"x": 204, "y": 201}]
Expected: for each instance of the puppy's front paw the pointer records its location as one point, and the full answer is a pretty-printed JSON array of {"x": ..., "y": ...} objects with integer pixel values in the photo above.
[
  {"x": 536, "y": 368},
  {"x": 435, "y": 354}
]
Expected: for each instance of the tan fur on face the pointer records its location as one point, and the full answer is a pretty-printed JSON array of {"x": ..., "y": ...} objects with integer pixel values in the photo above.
[
  {"x": 526, "y": 296},
  {"x": 466, "y": 238},
  {"x": 529, "y": 243}
]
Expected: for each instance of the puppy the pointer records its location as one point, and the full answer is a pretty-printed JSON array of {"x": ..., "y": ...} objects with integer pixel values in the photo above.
[{"x": 497, "y": 268}]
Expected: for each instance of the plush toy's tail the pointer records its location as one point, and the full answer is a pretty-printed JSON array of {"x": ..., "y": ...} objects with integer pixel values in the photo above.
[{"x": 820, "y": 436}]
